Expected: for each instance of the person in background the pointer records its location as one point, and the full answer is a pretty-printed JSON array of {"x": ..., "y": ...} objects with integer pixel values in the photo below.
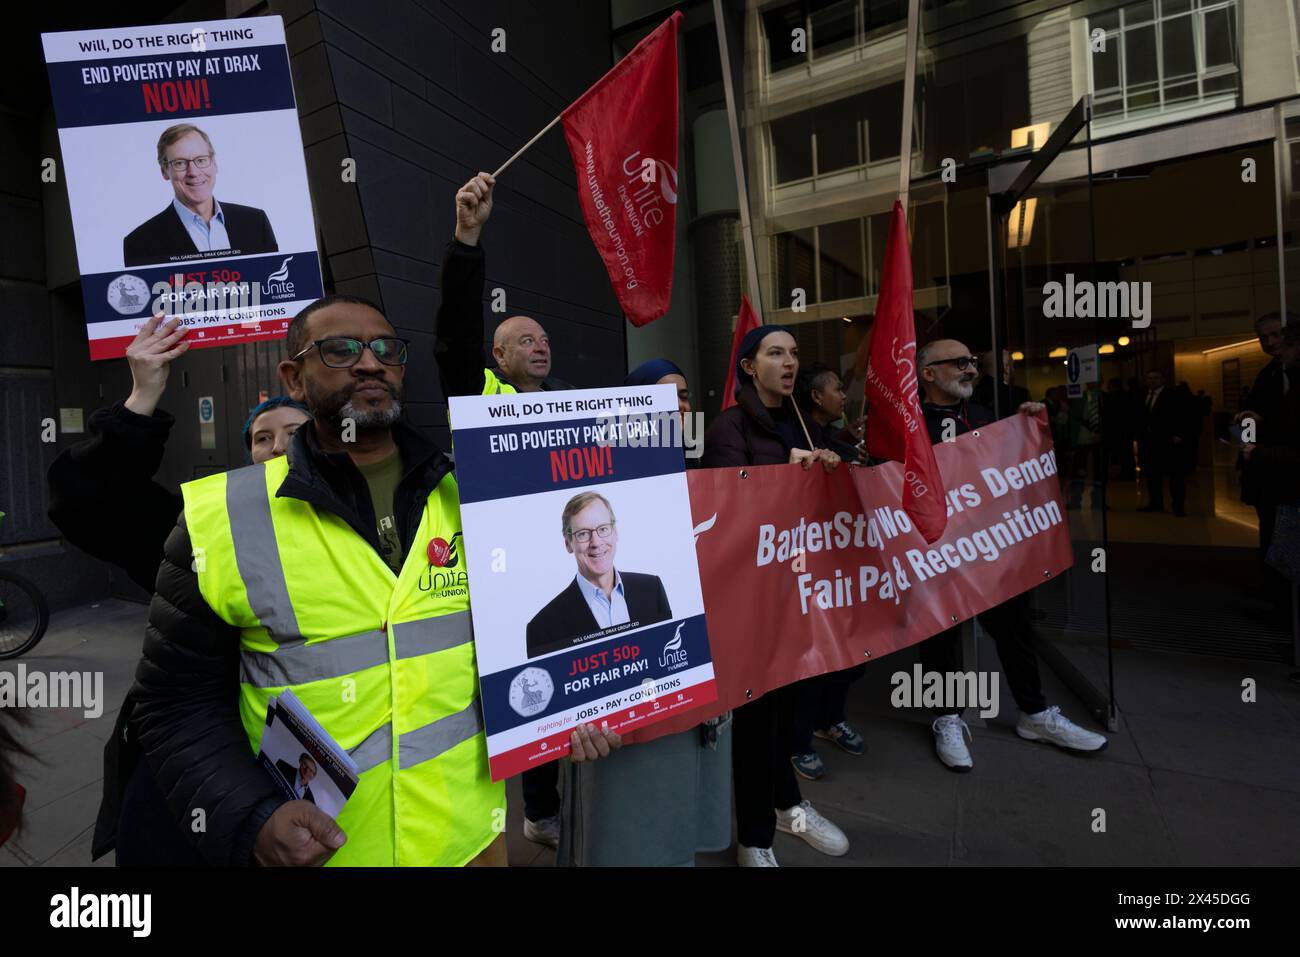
[
  {"x": 764, "y": 428},
  {"x": 819, "y": 705},
  {"x": 1165, "y": 433},
  {"x": 104, "y": 500},
  {"x": 946, "y": 369},
  {"x": 1275, "y": 461},
  {"x": 1083, "y": 438},
  {"x": 1117, "y": 416},
  {"x": 657, "y": 803},
  {"x": 1010, "y": 395},
  {"x": 1262, "y": 404}
]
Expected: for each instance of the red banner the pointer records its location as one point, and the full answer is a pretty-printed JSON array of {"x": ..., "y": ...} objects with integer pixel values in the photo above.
[
  {"x": 805, "y": 573},
  {"x": 622, "y": 134}
]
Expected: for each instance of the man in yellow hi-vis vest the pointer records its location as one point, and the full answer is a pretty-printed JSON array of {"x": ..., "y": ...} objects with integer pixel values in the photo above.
[{"x": 336, "y": 571}]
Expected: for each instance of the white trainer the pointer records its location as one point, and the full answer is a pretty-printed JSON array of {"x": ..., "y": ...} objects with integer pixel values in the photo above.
[
  {"x": 546, "y": 831},
  {"x": 804, "y": 821},
  {"x": 756, "y": 857},
  {"x": 1051, "y": 725},
  {"x": 950, "y": 737}
]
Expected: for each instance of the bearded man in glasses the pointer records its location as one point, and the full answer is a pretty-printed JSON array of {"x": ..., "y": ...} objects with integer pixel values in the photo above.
[
  {"x": 600, "y": 597},
  {"x": 310, "y": 573},
  {"x": 946, "y": 371},
  {"x": 194, "y": 225}
]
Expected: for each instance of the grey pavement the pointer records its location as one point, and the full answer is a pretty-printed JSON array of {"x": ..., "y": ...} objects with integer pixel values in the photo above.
[{"x": 1194, "y": 775}]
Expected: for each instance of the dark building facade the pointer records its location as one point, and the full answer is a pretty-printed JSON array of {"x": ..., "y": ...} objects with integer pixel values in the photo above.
[{"x": 414, "y": 95}]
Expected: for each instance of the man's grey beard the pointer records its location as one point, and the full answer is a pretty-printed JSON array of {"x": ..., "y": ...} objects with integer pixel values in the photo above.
[
  {"x": 374, "y": 420},
  {"x": 957, "y": 389}
]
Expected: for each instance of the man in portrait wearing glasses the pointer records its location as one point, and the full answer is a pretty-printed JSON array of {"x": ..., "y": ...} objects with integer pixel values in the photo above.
[
  {"x": 336, "y": 572},
  {"x": 946, "y": 371},
  {"x": 194, "y": 224},
  {"x": 600, "y": 597}
]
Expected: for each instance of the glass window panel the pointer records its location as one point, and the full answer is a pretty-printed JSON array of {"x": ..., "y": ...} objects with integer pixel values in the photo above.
[
  {"x": 793, "y": 252},
  {"x": 1105, "y": 68},
  {"x": 1220, "y": 42},
  {"x": 1180, "y": 92},
  {"x": 1178, "y": 46},
  {"x": 838, "y": 136},
  {"x": 1143, "y": 12},
  {"x": 792, "y": 147},
  {"x": 832, "y": 26},
  {"x": 879, "y": 227},
  {"x": 1170, "y": 7},
  {"x": 777, "y": 24},
  {"x": 880, "y": 13},
  {"x": 883, "y": 111},
  {"x": 1107, "y": 21},
  {"x": 1226, "y": 83},
  {"x": 928, "y": 262},
  {"x": 1140, "y": 56},
  {"x": 1108, "y": 107},
  {"x": 842, "y": 260},
  {"x": 1143, "y": 98}
]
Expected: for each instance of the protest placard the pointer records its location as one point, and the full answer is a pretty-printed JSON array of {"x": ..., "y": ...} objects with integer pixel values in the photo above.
[
  {"x": 185, "y": 173},
  {"x": 581, "y": 561}
]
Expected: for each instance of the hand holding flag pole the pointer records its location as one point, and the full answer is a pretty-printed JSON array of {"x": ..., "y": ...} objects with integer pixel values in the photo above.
[{"x": 622, "y": 137}]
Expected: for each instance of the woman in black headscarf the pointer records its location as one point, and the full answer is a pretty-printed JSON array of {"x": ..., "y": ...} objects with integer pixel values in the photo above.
[{"x": 765, "y": 428}]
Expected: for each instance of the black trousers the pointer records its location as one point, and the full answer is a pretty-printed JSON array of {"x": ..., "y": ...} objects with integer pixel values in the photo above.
[
  {"x": 542, "y": 791},
  {"x": 1009, "y": 626},
  {"x": 148, "y": 834},
  {"x": 819, "y": 704},
  {"x": 1267, "y": 521},
  {"x": 1157, "y": 464},
  {"x": 760, "y": 765}
]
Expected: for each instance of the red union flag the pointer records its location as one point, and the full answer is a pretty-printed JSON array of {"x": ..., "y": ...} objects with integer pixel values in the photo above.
[
  {"x": 746, "y": 319},
  {"x": 896, "y": 425},
  {"x": 622, "y": 134}
]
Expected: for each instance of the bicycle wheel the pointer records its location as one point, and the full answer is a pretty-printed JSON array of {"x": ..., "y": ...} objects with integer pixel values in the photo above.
[{"x": 24, "y": 616}]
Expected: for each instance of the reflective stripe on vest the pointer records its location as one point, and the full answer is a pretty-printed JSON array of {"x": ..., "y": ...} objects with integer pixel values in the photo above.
[{"x": 385, "y": 662}]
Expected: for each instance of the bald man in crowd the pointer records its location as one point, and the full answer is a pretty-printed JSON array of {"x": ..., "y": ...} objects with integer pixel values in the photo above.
[{"x": 521, "y": 350}]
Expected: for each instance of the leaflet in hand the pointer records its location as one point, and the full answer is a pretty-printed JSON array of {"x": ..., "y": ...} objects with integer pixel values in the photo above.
[{"x": 303, "y": 760}]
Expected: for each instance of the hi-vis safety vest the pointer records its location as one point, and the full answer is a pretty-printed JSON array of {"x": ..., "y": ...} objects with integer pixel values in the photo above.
[
  {"x": 494, "y": 386},
  {"x": 384, "y": 662}
]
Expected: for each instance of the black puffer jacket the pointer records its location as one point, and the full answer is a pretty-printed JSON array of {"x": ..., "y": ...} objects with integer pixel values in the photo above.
[
  {"x": 103, "y": 497},
  {"x": 185, "y": 718},
  {"x": 746, "y": 434}
]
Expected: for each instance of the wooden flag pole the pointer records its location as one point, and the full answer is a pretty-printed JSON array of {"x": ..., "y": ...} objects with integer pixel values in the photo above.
[
  {"x": 523, "y": 149},
  {"x": 909, "y": 96}
]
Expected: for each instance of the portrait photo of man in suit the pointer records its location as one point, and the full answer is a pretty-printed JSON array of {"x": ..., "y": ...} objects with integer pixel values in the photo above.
[
  {"x": 299, "y": 778},
  {"x": 600, "y": 596},
  {"x": 194, "y": 222}
]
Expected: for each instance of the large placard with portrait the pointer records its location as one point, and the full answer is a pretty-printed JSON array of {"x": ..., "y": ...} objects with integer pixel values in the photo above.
[
  {"x": 184, "y": 168},
  {"x": 580, "y": 557}
]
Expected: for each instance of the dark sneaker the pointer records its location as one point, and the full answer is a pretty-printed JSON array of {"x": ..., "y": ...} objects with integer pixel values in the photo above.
[
  {"x": 844, "y": 737},
  {"x": 808, "y": 765}
]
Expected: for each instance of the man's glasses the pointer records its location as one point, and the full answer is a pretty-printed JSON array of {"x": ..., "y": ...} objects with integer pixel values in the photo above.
[
  {"x": 181, "y": 165},
  {"x": 961, "y": 362},
  {"x": 340, "y": 352},
  {"x": 583, "y": 535}
]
